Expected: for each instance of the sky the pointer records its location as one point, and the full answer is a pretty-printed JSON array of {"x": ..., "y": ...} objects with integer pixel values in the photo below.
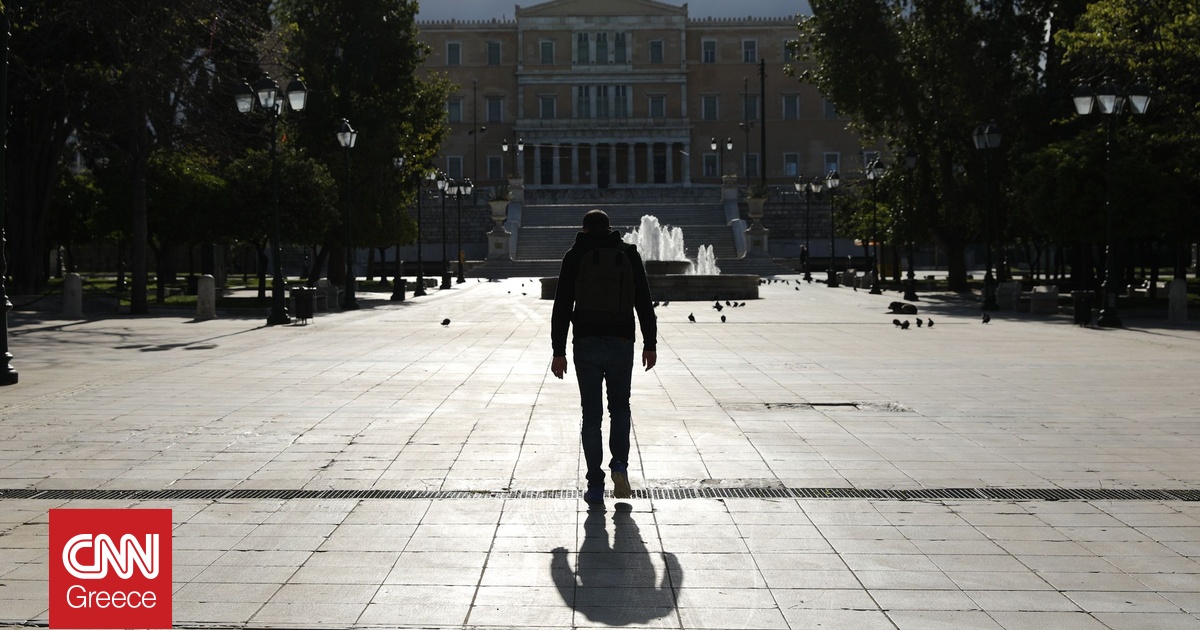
[{"x": 487, "y": 9}]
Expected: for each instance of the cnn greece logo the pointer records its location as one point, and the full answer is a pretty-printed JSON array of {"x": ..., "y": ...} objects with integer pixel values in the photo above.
[{"x": 115, "y": 569}]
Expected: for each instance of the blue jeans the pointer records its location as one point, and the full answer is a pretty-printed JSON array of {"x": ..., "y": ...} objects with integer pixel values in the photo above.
[{"x": 604, "y": 363}]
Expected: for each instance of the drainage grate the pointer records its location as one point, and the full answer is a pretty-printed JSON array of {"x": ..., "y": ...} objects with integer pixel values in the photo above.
[{"x": 679, "y": 493}]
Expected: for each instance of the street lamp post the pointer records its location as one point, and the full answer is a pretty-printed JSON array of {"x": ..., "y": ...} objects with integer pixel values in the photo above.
[
  {"x": 1110, "y": 100},
  {"x": 443, "y": 184},
  {"x": 347, "y": 136},
  {"x": 809, "y": 189},
  {"x": 519, "y": 147},
  {"x": 721, "y": 149},
  {"x": 831, "y": 181},
  {"x": 874, "y": 171},
  {"x": 429, "y": 175},
  {"x": 267, "y": 93},
  {"x": 397, "y": 285},
  {"x": 8, "y": 374},
  {"x": 987, "y": 137},
  {"x": 464, "y": 188},
  {"x": 910, "y": 287}
]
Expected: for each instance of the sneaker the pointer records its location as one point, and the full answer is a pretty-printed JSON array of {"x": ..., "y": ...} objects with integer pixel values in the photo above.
[
  {"x": 620, "y": 480},
  {"x": 594, "y": 495}
]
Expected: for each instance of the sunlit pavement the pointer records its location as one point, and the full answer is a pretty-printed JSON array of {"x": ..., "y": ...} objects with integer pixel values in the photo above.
[{"x": 804, "y": 464}]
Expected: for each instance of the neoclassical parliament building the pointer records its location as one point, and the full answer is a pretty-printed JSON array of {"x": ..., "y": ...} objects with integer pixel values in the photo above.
[{"x": 595, "y": 94}]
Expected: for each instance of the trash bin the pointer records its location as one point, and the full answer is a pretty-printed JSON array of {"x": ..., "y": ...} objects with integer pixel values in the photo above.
[
  {"x": 1082, "y": 302},
  {"x": 302, "y": 303},
  {"x": 398, "y": 290}
]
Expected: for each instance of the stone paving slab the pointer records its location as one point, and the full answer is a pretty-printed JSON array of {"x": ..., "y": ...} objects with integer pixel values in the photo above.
[{"x": 806, "y": 389}]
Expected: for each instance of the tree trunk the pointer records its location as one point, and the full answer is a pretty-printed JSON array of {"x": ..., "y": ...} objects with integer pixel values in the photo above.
[
  {"x": 261, "y": 250},
  {"x": 32, "y": 157},
  {"x": 322, "y": 257},
  {"x": 137, "y": 301}
]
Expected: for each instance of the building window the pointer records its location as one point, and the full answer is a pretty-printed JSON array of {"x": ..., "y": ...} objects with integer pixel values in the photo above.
[
  {"x": 658, "y": 107},
  {"x": 601, "y": 47},
  {"x": 453, "y": 54},
  {"x": 582, "y": 54},
  {"x": 546, "y": 107},
  {"x": 710, "y": 165},
  {"x": 789, "y": 53},
  {"x": 833, "y": 162},
  {"x": 791, "y": 164},
  {"x": 656, "y": 51},
  {"x": 547, "y": 52},
  {"x": 708, "y": 51},
  {"x": 602, "y": 108},
  {"x": 583, "y": 102},
  {"x": 621, "y": 101},
  {"x": 454, "y": 167},
  {"x": 749, "y": 51},
  {"x": 495, "y": 167},
  {"x": 495, "y": 109},
  {"x": 829, "y": 109},
  {"x": 620, "y": 54},
  {"x": 749, "y": 107},
  {"x": 493, "y": 53},
  {"x": 791, "y": 107},
  {"x": 708, "y": 107},
  {"x": 750, "y": 162},
  {"x": 454, "y": 110}
]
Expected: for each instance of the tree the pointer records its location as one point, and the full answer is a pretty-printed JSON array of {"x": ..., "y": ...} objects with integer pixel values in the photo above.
[
  {"x": 1155, "y": 185},
  {"x": 920, "y": 75},
  {"x": 307, "y": 202},
  {"x": 363, "y": 61},
  {"x": 127, "y": 77}
]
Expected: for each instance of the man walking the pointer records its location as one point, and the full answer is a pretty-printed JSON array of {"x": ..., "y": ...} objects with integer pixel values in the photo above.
[{"x": 601, "y": 283}]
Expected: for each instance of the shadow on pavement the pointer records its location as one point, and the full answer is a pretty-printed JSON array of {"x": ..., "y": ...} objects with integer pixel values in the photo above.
[{"x": 618, "y": 584}]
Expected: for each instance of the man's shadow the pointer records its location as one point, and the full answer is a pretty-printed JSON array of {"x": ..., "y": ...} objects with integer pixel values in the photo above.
[{"x": 617, "y": 584}]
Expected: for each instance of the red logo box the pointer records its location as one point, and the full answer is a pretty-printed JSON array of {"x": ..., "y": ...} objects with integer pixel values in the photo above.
[{"x": 110, "y": 568}]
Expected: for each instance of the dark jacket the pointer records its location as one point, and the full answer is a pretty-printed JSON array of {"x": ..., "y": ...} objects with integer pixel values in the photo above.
[{"x": 564, "y": 296}]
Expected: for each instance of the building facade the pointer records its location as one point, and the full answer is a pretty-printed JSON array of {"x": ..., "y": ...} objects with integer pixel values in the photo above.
[{"x": 630, "y": 94}]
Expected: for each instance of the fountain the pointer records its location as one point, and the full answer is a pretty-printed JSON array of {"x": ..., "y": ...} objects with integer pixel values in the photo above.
[{"x": 671, "y": 275}]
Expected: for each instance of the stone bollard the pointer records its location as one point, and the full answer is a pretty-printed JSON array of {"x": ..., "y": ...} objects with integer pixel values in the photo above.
[
  {"x": 1177, "y": 310},
  {"x": 73, "y": 296},
  {"x": 206, "y": 298}
]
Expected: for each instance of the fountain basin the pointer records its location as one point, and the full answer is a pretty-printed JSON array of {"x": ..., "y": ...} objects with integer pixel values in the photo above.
[
  {"x": 684, "y": 287},
  {"x": 665, "y": 267}
]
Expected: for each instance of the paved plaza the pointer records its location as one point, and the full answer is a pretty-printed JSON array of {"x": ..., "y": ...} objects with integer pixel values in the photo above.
[{"x": 804, "y": 464}]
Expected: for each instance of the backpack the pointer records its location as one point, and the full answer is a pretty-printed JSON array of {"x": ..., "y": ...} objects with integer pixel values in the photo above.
[{"x": 604, "y": 287}]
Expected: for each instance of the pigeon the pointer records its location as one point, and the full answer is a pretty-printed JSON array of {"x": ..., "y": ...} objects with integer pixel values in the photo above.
[
  {"x": 666, "y": 302},
  {"x": 691, "y": 317},
  {"x": 726, "y": 302},
  {"x": 718, "y": 307},
  {"x": 655, "y": 303},
  {"x": 796, "y": 288},
  {"x": 987, "y": 318},
  {"x": 722, "y": 319},
  {"x": 920, "y": 322},
  {"x": 896, "y": 322},
  {"x": 931, "y": 323},
  {"x": 904, "y": 325},
  {"x": 446, "y": 322}
]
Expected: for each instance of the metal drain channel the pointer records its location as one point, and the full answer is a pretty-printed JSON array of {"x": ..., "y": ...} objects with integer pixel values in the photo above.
[{"x": 981, "y": 494}]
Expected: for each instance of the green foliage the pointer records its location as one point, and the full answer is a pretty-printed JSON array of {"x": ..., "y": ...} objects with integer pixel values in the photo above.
[
  {"x": 307, "y": 198},
  {"x": 363, "y": 59},
  {"x": 920, "y": 75}
]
